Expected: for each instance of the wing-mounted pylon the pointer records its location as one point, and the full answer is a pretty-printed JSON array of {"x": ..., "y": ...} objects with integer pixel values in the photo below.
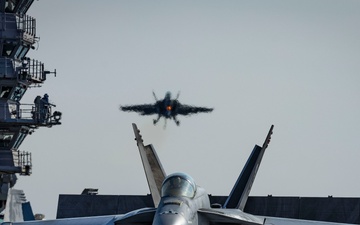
[
  {"x": 240, "y": 192},
  {"x": 154, "y": 171}
]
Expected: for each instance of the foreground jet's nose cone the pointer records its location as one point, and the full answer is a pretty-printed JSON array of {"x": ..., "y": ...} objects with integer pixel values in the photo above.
[{"x": 169, "y": 218}]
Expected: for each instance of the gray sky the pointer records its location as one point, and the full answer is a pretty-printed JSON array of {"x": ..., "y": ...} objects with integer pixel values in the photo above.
[{"x": 294, "y": 64}]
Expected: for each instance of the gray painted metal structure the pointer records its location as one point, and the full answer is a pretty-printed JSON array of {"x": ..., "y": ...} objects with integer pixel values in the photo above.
[
  {"x": 18, "y": 73},
  {"x": 240, "y": 193},
  {"x": 155, "y": 173}
]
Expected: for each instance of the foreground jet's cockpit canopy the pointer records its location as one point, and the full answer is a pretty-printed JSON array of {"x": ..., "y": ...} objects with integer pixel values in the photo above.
[{"x": 178, "y": 185}]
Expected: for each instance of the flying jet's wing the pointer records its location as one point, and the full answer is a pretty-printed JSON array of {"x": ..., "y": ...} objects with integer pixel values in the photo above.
[
  {"x": 229, "y": 216},
  {"x": 145, "y": 109},
  {"x": 188, "y": 109}
]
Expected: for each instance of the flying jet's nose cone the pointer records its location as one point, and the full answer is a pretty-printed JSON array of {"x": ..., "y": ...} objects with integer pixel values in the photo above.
[{"x": 169, "y": 219}]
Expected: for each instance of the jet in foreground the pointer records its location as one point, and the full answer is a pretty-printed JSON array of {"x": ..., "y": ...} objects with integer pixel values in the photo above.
[
  {"x": 179, "y": 201},
  {"x": 167, "y": 108}
]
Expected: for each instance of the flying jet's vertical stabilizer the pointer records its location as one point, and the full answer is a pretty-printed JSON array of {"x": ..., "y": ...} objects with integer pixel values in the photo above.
[
  {"x": 240, "y": 192},
  {"x": 154, "y": 171}
]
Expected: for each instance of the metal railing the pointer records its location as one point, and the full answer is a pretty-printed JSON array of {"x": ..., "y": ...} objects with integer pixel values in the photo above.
[
  {"x": 31, "y": 114},
  {"x": 27, "y": 24},
  {"x": 24, "y": 161},
  {"x": 36, "y": 70},
  {"x": 15, "y": 111},
  {"x": 32, "y": 70}
]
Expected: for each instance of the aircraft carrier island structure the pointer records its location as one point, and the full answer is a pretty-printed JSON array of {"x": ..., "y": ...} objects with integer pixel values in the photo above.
[{"x": 18, "y": 73}]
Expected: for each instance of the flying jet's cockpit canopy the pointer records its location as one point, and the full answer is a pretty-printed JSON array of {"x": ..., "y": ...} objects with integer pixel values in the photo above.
[
  {"x": 168, "y": 95},
  {"x": 178, "y": 185}
]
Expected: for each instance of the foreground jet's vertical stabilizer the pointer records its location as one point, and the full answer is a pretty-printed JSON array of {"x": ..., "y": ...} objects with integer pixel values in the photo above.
[
  {"x": 240, "y": 192},
  {"x": 154, "y": 171}
]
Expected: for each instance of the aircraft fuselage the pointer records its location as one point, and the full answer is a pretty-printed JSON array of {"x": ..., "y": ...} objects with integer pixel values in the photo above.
[
  {"x": 180, "y": 207},
  {"x": 167, "y": 106}
]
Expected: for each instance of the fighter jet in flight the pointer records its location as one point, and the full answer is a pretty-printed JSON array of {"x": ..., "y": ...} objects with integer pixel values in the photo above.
[{"x": 167, "y": 108}]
